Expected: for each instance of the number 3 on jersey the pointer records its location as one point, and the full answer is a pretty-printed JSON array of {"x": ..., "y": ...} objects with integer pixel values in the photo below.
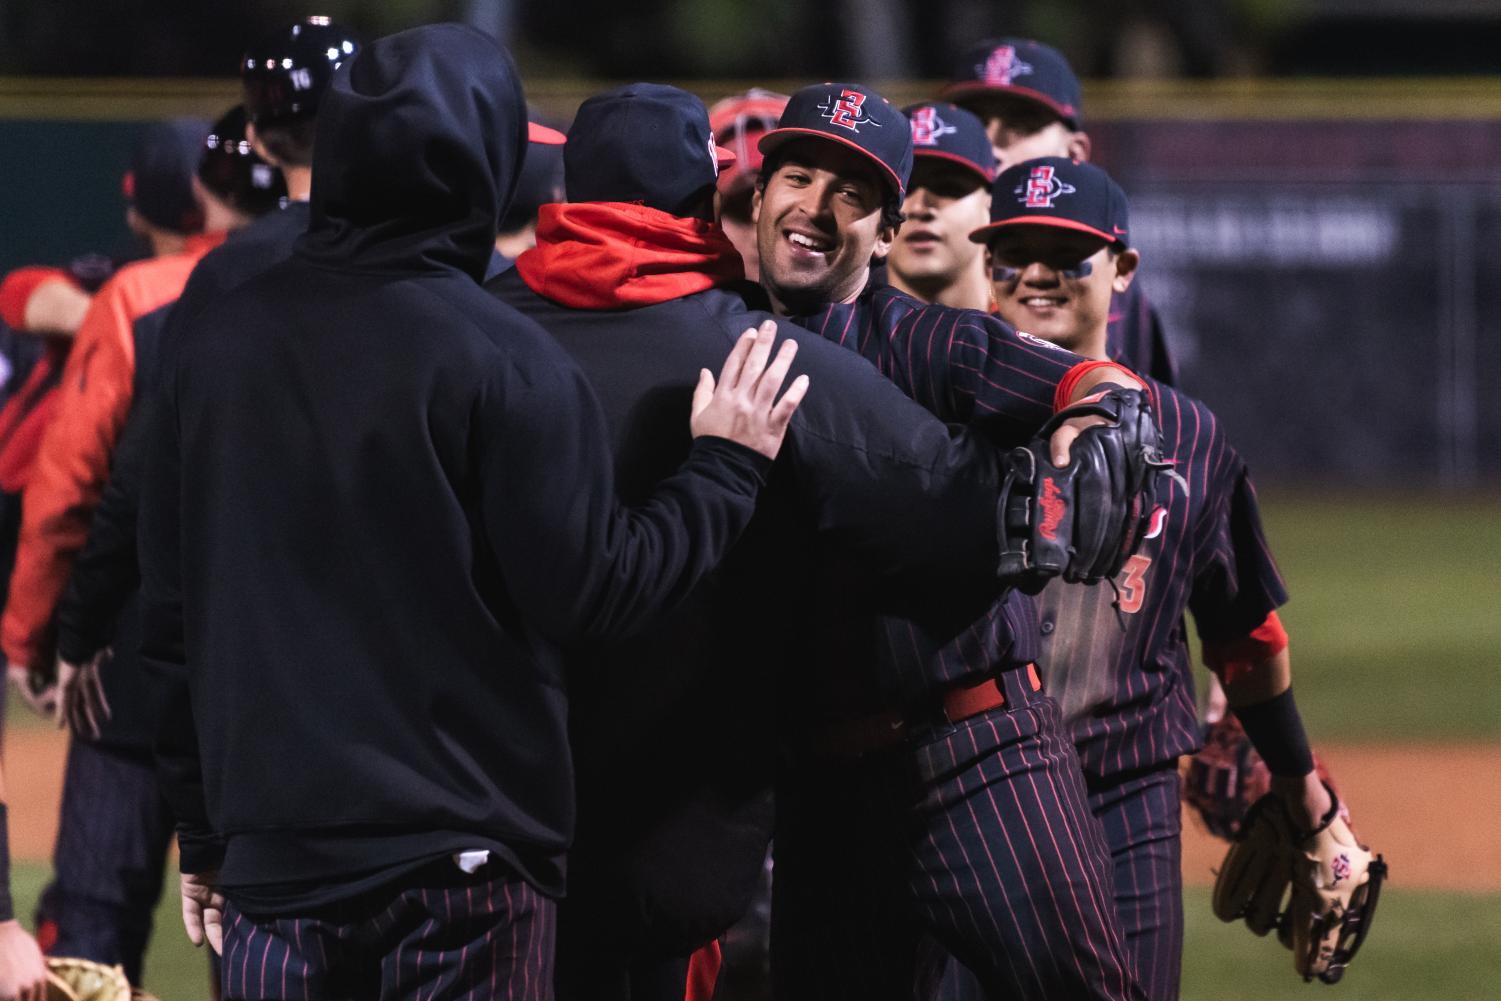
[{"x": 1133, "y": 583}]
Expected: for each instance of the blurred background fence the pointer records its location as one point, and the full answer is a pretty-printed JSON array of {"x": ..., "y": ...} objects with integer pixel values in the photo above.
[{"x": 1322, "y": 251}]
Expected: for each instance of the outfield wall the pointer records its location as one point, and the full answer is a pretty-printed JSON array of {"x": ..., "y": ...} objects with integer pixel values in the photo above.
[{"x": 1321, "y": 251}]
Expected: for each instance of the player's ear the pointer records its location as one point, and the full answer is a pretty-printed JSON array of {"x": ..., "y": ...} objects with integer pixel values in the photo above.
[
  {"x": 1126, "y": 263},
  {"x": 885, "y": 237},
  {"x": 756, "y": 193},
  {"x": 1079, "y": 146}
]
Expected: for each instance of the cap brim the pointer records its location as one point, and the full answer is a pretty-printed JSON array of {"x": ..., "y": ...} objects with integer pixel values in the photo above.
[
  {"x": 544, "y": 136},
  {"x": 955, "y": 158},
  {"x": 984, "y": 233},
  {"x": 723, "y": 156},
  {"x": 955, "y": 92},
  {"x": 780, "y": 137}
]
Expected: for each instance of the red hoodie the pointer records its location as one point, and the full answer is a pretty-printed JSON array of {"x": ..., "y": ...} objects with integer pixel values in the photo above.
[{"x": 618, "y": 255}]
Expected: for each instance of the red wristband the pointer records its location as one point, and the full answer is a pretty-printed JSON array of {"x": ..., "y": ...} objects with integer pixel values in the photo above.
[{"x": 1071, "y": 379}]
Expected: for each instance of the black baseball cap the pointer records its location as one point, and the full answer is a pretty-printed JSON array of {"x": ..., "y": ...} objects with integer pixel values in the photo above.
[
  {"x": 1018, "y": 67},
  {"x": 159, "y": 183},
  {"x": 644, "y": 142},
  {"x": 230, "y": 167},
  {"x": 948, "y": 132},
  {"x": 1057, "y": 191},
  {"x": 853, "y": 116}
]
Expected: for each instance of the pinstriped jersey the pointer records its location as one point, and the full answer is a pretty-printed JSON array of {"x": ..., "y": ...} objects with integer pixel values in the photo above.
[
  {"x": 1124, "y": 676},
  {"x": 966, "y": 367}
]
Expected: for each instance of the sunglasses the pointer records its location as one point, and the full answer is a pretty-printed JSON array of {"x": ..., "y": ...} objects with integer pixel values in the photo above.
[{"x": 1077, "y": 269}]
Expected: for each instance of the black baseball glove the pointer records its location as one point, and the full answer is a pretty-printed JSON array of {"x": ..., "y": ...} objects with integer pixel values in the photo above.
[{"x": 1085, "y": 520}]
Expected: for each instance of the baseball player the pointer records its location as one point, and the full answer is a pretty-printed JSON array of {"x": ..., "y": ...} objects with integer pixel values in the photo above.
[
  {"x": 944, "y": 799},
  {"x": 1030, "y": 101},
  {"x": 382, "y": 501},
  {"x": 738, "y": 123},
  {"x": 932, "y": 258},
  {"x": 1117, "y": 659},
  {"x": 40, "y": 311},
  {"x": 114, "y": 827},
  {"x": 73, "y": 459},
  {"x": 876, "y": 507}
]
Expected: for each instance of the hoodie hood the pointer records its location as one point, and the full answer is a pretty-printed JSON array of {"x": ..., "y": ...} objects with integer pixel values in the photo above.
[
  {"x": 617, "y": 255},
  {"x": 418, "y": 150}
]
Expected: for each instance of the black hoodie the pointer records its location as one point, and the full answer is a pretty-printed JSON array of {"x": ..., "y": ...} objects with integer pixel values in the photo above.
[{"x": 384, "y": 497}]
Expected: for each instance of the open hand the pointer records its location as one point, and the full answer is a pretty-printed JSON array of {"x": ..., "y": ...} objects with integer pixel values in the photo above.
[
  {"x": 743, "y": 406},
  {"x": 203, "y": 909},
  {"x": 80, "y": 702}
]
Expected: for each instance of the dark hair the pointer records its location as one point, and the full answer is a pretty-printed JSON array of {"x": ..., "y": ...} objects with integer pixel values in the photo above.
[
  {"x": 289, "y": 143},
  {"x": 891, "y": 208}
]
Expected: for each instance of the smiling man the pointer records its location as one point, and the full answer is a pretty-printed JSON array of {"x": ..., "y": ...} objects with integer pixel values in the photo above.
[
  {"x": 1059, "y": 238},
  {"x": 1076, "y": 232},
  {"x": 812, "y": 258},
  {"x": 925, "y": 744},
  {"x": 933, "y": 258}
]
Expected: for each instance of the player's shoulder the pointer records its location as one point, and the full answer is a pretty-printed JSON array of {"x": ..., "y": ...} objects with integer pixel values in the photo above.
[
  {"x": 1191, "y": 418},
  {"x": 1193, "y": 435},
  {"x": 140, "y": 282}
]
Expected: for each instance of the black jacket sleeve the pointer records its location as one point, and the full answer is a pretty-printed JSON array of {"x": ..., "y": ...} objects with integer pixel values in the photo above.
[
  {"x": 106, "y": 572},
  {"x": 577, "y": 563},
  {"x": 882, "y": 481},
  {"x": 179, "y": 766}
]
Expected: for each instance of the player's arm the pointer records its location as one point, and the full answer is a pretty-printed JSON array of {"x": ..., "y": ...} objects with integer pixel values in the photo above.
[
  {"x": 105, "y": 573},
  {"x": 1236, "y": 591},
  {"x": 178, "y": 761},
  {"x": 882, "y": 482},
  {"x": 162, "y": 642},
  {"x": 43, "y": 300},
  {"x": 1257, "y": 679},
  {"x": 579, "y": 564},
  {"x": 968, "y": 367},
  {"x": 23, "y": 975},
  {"x": 71, "y": 467}
]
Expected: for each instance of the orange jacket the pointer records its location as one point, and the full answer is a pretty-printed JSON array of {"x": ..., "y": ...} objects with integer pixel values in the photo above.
[{"x": 73, "y": 462}]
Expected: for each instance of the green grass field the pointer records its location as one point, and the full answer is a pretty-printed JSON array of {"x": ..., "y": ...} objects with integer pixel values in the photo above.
[
  {"x": 1422, "y": 947},
  {"x": 1393, "y": 616}
]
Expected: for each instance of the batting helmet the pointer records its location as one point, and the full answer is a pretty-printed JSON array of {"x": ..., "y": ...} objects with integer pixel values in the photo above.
[
  {"x": 286, "y": 73},
  {"x": 231, "y": 169},
  {"x": 737, "y": 122}
]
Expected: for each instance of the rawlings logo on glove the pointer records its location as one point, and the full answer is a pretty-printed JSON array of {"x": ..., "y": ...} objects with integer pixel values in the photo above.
[{"x": 1083, "y": 521}]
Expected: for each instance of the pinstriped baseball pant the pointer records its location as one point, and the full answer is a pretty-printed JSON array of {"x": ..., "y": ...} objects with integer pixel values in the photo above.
[
  {"x": 113, "y": 834},
  {"x": 1142, "y": 821},
  {"x": 438, "y": 935},
  {"x": 976, "y": 841}
]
